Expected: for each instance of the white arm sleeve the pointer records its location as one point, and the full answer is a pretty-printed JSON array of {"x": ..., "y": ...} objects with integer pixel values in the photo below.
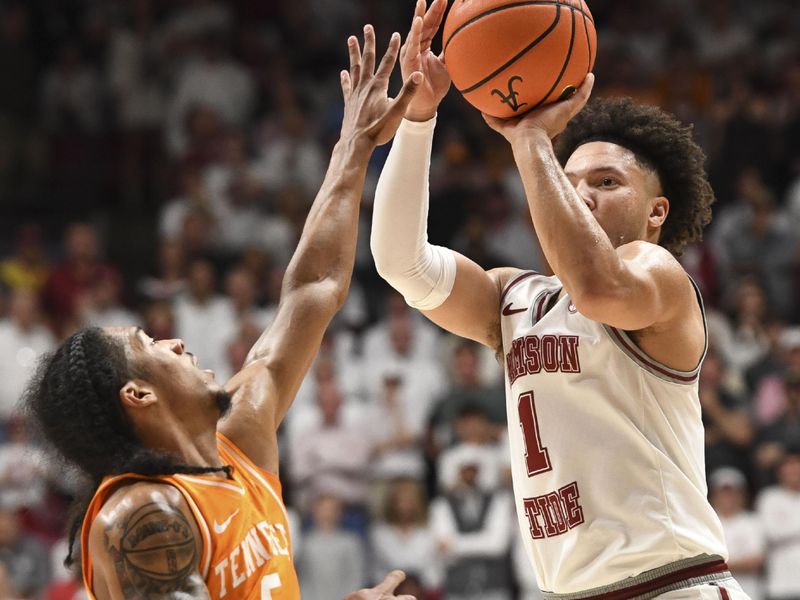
[{"x": 424, "y": 274}]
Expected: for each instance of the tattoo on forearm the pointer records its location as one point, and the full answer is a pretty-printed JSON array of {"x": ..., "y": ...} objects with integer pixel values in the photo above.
[{"x": 155, "y": 554}]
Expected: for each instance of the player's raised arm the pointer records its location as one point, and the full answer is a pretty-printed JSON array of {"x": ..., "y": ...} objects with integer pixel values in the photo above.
[
  {"x": 145, "y": 544},
  {"x": 450, "y": 289},
  {"x": 318, "y": 277},
  {"x": 615, "y": 273}
]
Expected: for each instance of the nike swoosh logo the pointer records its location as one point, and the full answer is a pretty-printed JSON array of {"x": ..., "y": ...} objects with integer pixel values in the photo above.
[
  {"x": 508, "y": 311},
  {"x": 220, "y": 528}
]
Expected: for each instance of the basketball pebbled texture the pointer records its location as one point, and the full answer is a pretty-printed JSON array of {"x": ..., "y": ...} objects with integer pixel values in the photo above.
[{"x": 510, "y": 56}]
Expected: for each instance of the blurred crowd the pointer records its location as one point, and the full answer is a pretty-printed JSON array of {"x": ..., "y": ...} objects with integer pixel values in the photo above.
[{"x": 157, "y": 160}]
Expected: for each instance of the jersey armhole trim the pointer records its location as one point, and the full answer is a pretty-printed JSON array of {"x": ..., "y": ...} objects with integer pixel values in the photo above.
[
  {"x": 631, "y": 348},
  {"x": 243, "y": 460},
  {"x": 513, "y": 282}
]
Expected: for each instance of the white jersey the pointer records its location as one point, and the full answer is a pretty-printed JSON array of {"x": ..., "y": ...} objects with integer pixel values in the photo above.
[{"x": 607, "y": 453}]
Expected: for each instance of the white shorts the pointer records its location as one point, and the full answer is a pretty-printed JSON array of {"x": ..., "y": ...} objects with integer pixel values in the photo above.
[{"x": 726, "y": 589}]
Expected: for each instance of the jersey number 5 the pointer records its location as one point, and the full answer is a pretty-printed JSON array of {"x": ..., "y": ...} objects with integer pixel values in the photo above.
[
  {"x": 537, "y": 458},
  {"x": 269, "y": 582}
]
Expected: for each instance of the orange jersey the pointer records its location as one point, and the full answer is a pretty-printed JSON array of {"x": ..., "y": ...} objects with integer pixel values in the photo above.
[{"x": 247, "y": 551}]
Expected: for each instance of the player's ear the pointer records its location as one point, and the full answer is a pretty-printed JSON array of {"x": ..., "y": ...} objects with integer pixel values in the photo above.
[
  {"x": 137, "y": 394},
  {"x": 659, "y": 209}
]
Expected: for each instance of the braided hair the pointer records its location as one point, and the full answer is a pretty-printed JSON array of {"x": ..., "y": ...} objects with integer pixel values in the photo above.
[{"x": 73, "y": 401}]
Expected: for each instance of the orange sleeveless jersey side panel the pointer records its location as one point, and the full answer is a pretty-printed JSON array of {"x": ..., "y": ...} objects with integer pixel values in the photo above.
[{"x": 247, "y": 550}]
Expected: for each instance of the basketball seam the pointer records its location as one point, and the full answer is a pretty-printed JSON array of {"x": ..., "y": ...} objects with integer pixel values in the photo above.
[
  {"x": 480, "y": 16},
  {"x": 564, "y": 67},
  {"x": 588, "y": 41},
  {"x": 522, "y": 53}
]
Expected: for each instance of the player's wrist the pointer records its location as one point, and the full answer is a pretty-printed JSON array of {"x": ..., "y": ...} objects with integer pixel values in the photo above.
[{"x": 420, "y": 115}]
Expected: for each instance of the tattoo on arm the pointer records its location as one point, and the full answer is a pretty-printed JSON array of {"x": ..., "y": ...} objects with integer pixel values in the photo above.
[{"x": 155, "y": 554}]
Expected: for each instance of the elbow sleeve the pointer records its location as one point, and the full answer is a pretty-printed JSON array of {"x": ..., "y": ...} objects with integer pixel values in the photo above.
[{"x": 424, "y": 274}]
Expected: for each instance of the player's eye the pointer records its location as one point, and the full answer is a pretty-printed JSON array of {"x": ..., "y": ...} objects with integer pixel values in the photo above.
[{"x": 609, "y": 182}]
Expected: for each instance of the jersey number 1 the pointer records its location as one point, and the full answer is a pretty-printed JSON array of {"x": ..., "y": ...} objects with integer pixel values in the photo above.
[{"x": 537, "y": 458}]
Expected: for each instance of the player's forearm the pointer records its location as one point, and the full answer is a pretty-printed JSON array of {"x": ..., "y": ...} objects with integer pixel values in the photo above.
[
  {"x": 326, "y": 251},
  {"x": 574, "y": 244},
  {"x": 422, "y": 273}
]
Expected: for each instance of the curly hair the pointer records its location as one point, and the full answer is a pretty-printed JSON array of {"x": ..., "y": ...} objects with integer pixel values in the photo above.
[
  {"x": 659, "y": 142},
  {"x": 73, "y": 402}
]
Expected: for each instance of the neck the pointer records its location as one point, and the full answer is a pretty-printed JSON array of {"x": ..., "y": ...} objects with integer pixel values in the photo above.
[{"x": 195, "y": 448}]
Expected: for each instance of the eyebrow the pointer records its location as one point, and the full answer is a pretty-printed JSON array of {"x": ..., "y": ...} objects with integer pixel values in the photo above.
[{"x": 595, "y": 170}]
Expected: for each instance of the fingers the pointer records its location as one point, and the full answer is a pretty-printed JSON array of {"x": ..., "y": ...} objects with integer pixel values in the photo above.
[
  {"x": 368, "y": 58},
  {"x": 344, "y": 76},
  {"x": 432, "y": 22},
  {"x": 412, "y": 45},
  {"x": 581, "y": 97},
  {"x": 355, "y": 60},
  {"x": 390, "y": 58},
  {"x": 391, "y": 581},
  {"x": 405, "y": 96}
]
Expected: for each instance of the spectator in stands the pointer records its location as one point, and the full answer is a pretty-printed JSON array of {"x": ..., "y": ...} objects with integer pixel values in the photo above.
[
  {"x": 240, "y": 288},
  {"x": 468, "y": 389},
  {"x": 23, "y": 339},
  {"x": 332, "y": 562},
  {"x": 784, "y": 432},
  {"x": 402, "y": 538},
  {"x": 779, "y": 510},
  {"x": 76, "y": 274},
  {"x": 24, "y": 557},
  {"x": 396, "y": 433},
  {"x": 170, "y": 278},
  {"x": 729, "y": 432},
  {"x": 290, "y": 155},
  {"x": 193, "y": 199},
  {"x": 770, "y": 393},
  {"x": 71, "y": 93},
  {"x": 215, "y": 81},
  {"x": 472, "y": 528},
  {"x": 332, "y": 456},
  {"x": 102, "y": 305},
  {"x": 204, "y": 319},
  {"x": 744, "y": 532},
  {"x": 23, "y": 469},
  {"x": 28, "y": 267},
  {"x": 476, "y": 440}
]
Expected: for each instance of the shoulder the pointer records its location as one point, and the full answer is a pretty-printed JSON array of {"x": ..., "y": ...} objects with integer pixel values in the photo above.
[
  {"x": 507, "y": 277},
  {"x": 142, "y": 523}
]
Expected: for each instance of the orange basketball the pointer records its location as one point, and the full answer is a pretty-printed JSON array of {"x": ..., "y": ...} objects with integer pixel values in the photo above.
[{"x": 510, "y": 56}]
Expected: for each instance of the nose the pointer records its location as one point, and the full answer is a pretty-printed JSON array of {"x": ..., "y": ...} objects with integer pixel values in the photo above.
[
  {"x": 177, "y": 346},
  {"x": 584, "y": 191}
]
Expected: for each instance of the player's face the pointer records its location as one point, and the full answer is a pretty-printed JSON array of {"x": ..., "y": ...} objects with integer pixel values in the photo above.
[
  {"x": 619, "y": 191},
  {"x": 174, "y": 372}
]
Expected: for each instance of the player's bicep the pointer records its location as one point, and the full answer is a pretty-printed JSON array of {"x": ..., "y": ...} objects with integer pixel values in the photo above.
[
  {"x": 147, "y": 546},
  {"x": 649, "y": 288},
  {"x": 473, "y": 308}
]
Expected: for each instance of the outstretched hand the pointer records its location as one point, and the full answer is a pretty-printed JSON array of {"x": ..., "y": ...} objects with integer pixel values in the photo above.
[
  {"x": 417, "y": 55},
  {"x": 384, "y": 590},
  {"x": 550, "y": 119},
  {"x": 368, "y": 111}
]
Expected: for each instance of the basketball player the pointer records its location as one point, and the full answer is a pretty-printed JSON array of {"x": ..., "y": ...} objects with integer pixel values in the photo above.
[
  {"x": 184, "y": 504},
  {"x": 601, "y": 359}
]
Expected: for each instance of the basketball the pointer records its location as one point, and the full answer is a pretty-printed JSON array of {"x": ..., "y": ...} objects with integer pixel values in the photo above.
[{"x": 507, "y": 57}]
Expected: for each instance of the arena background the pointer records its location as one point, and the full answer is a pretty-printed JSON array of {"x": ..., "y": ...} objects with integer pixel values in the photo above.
[{"x": 157, "y": 160}]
